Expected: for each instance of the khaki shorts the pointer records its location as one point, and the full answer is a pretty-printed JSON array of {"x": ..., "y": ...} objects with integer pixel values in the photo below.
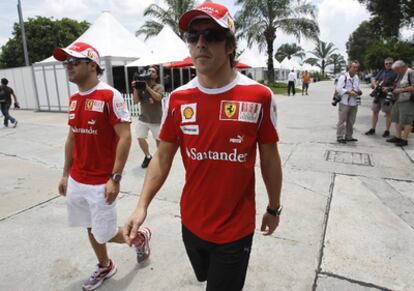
[
  {"x": 376, "y": 107},
  {"x": 403, "y": 113},
  {"x": 87, "y": 208},
  {"x": 142, "y": 129}
]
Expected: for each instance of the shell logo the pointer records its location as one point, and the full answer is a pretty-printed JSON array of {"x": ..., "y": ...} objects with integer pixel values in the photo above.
[{"x": 188, "y": 112}]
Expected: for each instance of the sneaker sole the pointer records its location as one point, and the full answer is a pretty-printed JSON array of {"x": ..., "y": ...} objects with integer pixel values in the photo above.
[{"x": 109, "y": 275}]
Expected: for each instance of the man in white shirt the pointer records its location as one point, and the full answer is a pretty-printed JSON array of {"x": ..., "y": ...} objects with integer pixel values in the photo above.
[
  {"x": 348, "y": 88},
  {"x": 291, "y": 82}
]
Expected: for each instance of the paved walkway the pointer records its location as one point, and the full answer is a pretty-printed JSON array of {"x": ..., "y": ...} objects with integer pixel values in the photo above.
[{"x": 348, "y": 221}]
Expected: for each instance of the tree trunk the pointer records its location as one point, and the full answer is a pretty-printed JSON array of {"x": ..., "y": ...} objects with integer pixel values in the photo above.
[
  {"x": 323, "y": 68},
  {"x": 270, "y": 67}
]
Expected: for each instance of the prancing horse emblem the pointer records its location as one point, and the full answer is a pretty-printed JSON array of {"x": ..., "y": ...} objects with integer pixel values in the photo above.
[{"x": 229, "y": 109}]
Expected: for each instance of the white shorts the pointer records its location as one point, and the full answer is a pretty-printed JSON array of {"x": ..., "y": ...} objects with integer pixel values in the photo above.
[
  {"x": 142, "y": 129},
  {"x": 87, "y": 208}
]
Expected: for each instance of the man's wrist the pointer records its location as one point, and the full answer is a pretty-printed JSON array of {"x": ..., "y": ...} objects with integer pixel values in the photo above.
[
  {"x": 276, "y": 211},
  {"x": 116, "y": 177}
]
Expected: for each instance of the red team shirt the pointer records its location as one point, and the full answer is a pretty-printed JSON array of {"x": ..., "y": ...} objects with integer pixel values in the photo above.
[
  {"x": 92, "y": 115},
  {"x": 217, "y": 130}
]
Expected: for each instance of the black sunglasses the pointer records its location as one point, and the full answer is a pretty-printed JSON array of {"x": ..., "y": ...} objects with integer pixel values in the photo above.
[
  {"x": 209, "y": 35},
  {"x": 75, "y": 61}
]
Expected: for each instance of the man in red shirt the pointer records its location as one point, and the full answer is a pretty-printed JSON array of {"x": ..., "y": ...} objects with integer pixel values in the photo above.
[
  {"x": 96, "y": 150},
  {"x": 216, "y": 120}
]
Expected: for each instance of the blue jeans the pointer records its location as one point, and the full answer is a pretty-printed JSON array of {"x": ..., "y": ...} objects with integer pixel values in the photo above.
[{"x": 5, "y": 106}]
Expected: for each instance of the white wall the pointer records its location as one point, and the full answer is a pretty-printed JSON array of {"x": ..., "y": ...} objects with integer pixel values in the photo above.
[{"x": 21, "y": 80}]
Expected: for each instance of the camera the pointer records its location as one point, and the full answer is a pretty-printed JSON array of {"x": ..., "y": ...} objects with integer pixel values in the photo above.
[
  {"x": 140, "y": 79},
  {"x": 377, "y": 93},
  {"x": 358, "y": 98},
  {"x": 336, "y": 99},
  {"x": 389, "y": 98}
]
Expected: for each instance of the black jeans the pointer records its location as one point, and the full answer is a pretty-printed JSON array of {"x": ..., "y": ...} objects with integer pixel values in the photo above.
[
  {"x": 224, "y": 266},
  {"x": 291, "y": 86},
  {"x": 5, "y": 106}
]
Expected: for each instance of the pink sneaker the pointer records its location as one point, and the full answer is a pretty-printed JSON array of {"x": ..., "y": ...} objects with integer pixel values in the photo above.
[
  {"x": 141, "y": 243},
  {"x": 99, "y": 276}
]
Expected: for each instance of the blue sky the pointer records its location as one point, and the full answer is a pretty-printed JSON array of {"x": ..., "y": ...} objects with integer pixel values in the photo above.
[{"x": 337, "y": 19}]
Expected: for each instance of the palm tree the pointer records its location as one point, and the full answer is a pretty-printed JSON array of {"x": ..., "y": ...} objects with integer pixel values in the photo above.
[
  {"x": 322, "y": 55},
  {"x": 338, "y": 62},
  {"x": 259, "y": 20},
  {"x": 161, "y": 17},
  {"x": 289, "y": 50}
]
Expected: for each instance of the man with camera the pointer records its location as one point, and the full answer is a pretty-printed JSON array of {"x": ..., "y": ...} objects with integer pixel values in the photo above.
[
  {"x": 149, "y": 94},
  {"x": 383, "y": 84},
  {"x": 403, "y": 111},
  {"x": 349, "y": 92}
]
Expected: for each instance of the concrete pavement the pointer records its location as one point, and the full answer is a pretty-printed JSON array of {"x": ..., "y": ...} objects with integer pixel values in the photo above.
[{"x": 348, "y": 220}]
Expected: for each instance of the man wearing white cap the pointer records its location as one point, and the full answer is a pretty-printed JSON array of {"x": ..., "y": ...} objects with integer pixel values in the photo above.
[
  {"x": 96, "y": 150},
  {"x": 217, "y": 120}
]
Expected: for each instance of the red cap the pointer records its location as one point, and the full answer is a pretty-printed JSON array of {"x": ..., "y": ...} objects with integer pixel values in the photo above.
[
  {"x": 217, "y": 12},
  {"x": 77, "y": 50}
]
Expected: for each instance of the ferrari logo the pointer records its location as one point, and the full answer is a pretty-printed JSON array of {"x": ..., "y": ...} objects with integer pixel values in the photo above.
[
  {"x": 229, "y": 109},
  {"x": 88, "y": 104}
]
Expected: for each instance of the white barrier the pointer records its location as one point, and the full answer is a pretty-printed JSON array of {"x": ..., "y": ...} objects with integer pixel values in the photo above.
[{"x": 21, "y": 81}]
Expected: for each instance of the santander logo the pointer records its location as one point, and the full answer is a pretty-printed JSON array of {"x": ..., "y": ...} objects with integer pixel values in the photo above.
[{"x": 233, "y": 156}]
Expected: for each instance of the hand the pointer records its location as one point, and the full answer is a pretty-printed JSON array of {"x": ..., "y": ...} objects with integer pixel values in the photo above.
[
  {"x": 111, "y": 191},
  {"x": 63, "y": 185},
  {"x": 397, "y": 91},
  {"x": 131, "y": 226},
  {"x": 269, "y": 223},
  {"x": 353, "y": 93}
]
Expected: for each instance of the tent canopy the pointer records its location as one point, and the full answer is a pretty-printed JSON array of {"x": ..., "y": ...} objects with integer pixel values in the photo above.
[
  {"x": 110, "y": 38},
  {"x": 166, "y": 47}
]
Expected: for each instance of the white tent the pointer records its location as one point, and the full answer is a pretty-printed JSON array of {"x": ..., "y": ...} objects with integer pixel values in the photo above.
[
  {"x": 111, "y": 39},
  {"x": 166, "y": 47},
  {"x": 116, "y": 46},
  {"x": 290, "y": 64}
]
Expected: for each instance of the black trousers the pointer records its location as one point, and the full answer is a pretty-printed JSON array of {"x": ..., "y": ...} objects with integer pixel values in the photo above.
[
  {"x": 291, "y": 86},
  {"x": 224, "y": 266}
]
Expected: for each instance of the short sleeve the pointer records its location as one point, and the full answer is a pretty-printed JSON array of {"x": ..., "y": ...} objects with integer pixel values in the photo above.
[
  {"x": 267, "y": 132},
  {"x": 119, "y": 111},
  {"x": 168, "y": 131},
  {"x": 159, "y": 89}
]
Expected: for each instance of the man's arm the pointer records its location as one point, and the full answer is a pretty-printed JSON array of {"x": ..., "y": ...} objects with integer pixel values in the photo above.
[
  {"x": 14, "y": 96},
  {"x": 123, "y": 131},
  {"x": 70, "y": 140},
  {"x": 157, "y": 173},
  {"x": 157, "y": 95},
  {"x": 135, "y": 94},
  {"x": 271, "y": 168}
]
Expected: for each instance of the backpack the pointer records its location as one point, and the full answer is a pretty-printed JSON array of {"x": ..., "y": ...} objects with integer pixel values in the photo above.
[{"x": 3, "y": 95}]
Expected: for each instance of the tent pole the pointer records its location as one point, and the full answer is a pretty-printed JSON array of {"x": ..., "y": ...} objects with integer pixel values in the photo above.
[
  {"x": 108, "y": 69},
  {"x": 172, "y": 79},
  {"x": 161, "y": 76},
  {"x": 181, "y": 76}
]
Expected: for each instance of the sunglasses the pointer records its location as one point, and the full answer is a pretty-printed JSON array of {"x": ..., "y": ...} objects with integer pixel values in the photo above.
[
  {"x": 75, "y": 61},
  {"x": 209, "y": 35}
]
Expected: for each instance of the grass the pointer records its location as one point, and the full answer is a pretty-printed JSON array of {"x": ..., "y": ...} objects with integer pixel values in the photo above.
[{"x": 280, "y": 88}]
